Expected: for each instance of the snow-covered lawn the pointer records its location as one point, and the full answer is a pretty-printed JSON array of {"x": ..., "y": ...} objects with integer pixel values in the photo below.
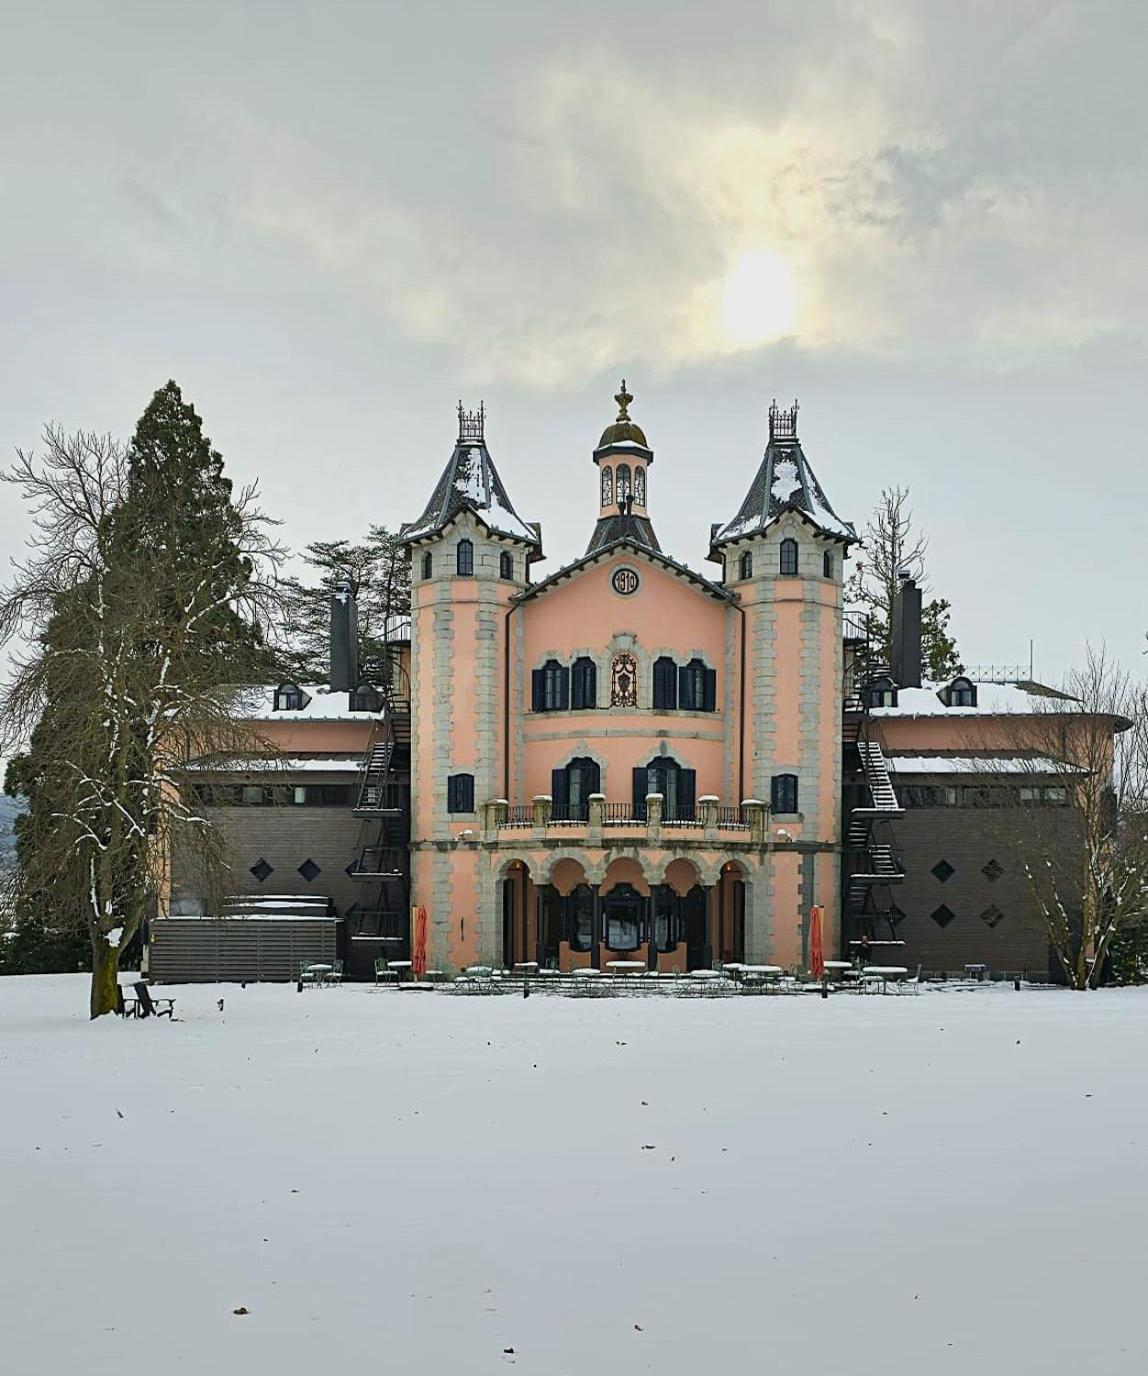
[{"x": 394, "y": 1183}]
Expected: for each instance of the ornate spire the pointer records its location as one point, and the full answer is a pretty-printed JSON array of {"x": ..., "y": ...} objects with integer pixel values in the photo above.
[
  {"x": 623, "y": 398},
  {"x": 782, "y": 424},
  {"x": 471, "y": 424}
]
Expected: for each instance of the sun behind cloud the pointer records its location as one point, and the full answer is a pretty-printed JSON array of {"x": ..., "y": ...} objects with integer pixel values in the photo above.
[{"x": 758, "y": 300}]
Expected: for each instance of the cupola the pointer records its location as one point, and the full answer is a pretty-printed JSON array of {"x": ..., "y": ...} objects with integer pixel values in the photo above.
[{"x": 623, "y": 458}]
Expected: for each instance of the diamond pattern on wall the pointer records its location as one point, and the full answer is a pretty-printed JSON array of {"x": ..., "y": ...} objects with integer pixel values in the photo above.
[
  {"x": 992, "y": 871},
  {"x": 992, "y": 915},
  {"x": 943, "y": 871},
  {"x": 308, "y": 869},
  {"x": 261, "y": 869},
  {"x": 942, "y": 916}
]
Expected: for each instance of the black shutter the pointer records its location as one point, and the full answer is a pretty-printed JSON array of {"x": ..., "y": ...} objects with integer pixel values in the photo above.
[
  {"x": 640, "y": 784},
  {"x": 564, "y": 687},
  {"x": 559, "y": 787},
  {"x": 594, "y": 777},
  {"x": 709, "y": 703},
  {"x": 576, "y": 681},
  {"x": 687, "y": 793},
  {"x": 685, "y": 689},
  {"x": 467, "y": 786},
  {"x": 538, "y": 690},
  {"x": 665, "y": 685},
  {"x": 589, "y": 683}
]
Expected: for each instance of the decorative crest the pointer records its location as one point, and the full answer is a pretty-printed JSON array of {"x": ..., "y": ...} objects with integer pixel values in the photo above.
[
  {"x": 471, "y": 424},
  {"x": 623, "y": 398},
  {"x": 782, "y": 424}
]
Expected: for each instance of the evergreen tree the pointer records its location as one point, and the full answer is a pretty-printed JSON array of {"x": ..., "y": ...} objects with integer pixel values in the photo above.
[
  {"x": 890, "y": 544},
  {"x": 378, "y": 571},
  {"x": 143, "y": 602}
]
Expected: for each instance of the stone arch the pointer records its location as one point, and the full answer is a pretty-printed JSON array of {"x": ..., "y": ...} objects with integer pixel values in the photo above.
[
  {"x": 625, "y": 869},
  {"x": 509, "y": 864},
  {"x": 566, "y": 873},
  {"x": 682, "y": 874}
]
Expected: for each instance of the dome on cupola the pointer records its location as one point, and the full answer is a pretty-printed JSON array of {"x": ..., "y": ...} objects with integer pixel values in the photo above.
[{"x": 623, "y": 431}]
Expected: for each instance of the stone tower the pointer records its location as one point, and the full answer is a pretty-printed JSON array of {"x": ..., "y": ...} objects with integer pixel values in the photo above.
[
  {"x": 783, "y": 555},
  {"x": 469, "y": 553}
]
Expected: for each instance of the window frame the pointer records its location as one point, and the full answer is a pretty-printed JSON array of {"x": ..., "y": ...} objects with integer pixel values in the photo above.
[
  {"x": 583, "y": 684},
  {"x": 464, "y": 558},
  {"x": 506, "y": 565},
  {"x": 827, "y": 569},
  {"x": 428, "y": 565},
  {"x": 459, "y": 791},
  {"x": 788, "y": 552},
  {"x": 783, "y": 789},
  {"x": 745, "y": 565}
]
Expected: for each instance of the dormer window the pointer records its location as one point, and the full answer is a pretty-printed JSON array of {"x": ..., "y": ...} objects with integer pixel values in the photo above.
[
  {"x": 464, "y": 559},
  {"x": 787, "y": 560},
  {"x": 882, "y": 692},
  {"x": 289, "y": 697},
  {"x": 960, "y": 693},
  {"x": 506, "y": 564},
  {"x": 365, "y": 698},
  {"x": 745, "y": 566}
]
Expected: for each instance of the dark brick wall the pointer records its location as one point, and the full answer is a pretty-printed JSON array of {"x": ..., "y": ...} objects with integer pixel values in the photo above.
[
  {"x": 284, "y": 836},
  {"x": 971, "y": 839}
]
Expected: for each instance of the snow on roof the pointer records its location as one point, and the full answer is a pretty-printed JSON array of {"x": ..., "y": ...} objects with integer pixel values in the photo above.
[
  {"x": 975, "y": 764},
  {"x": 784, "y": 482},
  {"x": 258, "y": 704},
  {"x": 297, "y": 764},
  {"x": 470, "y": 482},
  {"x": 993, "y": 699}
]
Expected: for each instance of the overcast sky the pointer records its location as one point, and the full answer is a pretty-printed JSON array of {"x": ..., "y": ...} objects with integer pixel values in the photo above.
[{"x": 328, "y": 221}]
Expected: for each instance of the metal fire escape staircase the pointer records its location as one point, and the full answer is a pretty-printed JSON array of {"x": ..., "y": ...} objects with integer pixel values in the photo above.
[
  {"x": 379, "y": 923},
  {"x": 872, "y": 866}
]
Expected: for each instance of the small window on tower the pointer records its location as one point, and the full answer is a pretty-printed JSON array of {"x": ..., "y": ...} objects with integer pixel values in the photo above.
[
  {"x": 623, "y": 482},
  {"x": 783, "y": 793},
  {"x": 464, "y": 559},
  {"x": 827, "y": 564},
  {"x": 788, "y": 557},
  {"x": 506, "y": 564},
  {"x": 428, "y": 564},
  {"x": 460, "y": 793},
  {"x": 607, "y": 486},
  {"x": 639, "y": 485},
  {"x": 746, "y": 566}
]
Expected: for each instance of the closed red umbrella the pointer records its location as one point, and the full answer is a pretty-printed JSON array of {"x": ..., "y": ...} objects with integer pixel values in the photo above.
[
  {"x": 419, "y": 963},
  {"x": 816, "y": 956}
]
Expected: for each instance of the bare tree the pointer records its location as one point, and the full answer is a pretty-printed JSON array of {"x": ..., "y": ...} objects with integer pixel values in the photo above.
[
  {"x": 1081, "y": 833},
  {"x": 129, "y": 670}
]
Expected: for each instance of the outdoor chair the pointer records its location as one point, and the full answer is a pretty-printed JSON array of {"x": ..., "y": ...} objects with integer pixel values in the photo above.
[
  {"x": 383, "y": 973},
  {"x": 335, "y": 974},
  {"x": 144, "y": 1006}
]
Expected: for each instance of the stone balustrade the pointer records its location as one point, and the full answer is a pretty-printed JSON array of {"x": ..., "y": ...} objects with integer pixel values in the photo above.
[{"x": 602, "y": 819}]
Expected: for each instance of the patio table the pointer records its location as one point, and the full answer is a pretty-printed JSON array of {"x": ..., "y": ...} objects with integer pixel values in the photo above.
[
  {"x": 885, "y": 973},
  {"x": 626, "y": 967},
  {"x": 401, "y": 968}
]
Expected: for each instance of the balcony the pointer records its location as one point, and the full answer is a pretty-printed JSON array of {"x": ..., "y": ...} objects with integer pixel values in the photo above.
[{"x": 597, "y": 820}]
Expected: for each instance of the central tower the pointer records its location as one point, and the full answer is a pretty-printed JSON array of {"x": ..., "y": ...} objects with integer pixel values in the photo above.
[{"x": 623, "y": 458}]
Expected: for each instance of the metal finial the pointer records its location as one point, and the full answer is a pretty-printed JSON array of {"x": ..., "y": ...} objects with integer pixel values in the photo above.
[
  {"x": 471, "y": 424},
  {"x": 623, "y": 398},
  {"x": 782, "y": 424}
]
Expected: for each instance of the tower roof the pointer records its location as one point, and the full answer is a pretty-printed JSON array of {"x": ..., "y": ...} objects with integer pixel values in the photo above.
[
  {"x": 470, "y": 482},
  {"x": 623, "y": 434},
  {"x": 635, "y": 529},
  {"x": 784, "y": 482}
]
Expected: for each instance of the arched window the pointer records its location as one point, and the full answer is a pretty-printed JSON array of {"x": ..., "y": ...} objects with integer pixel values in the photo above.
[
  {"x": 962, "y": 693},
  {"x": 550, "y": 687},
  {"x": 788, "y": 556},
  {"x": 745, "y": 567},
  {"x": 665, "y": 684},
  {"x": 289, "y": 697},
  {"x": 677, "y": 786},
  {"x": 624, "y": 681},
  {"x": 464, "y": 559},
  {"x": 583, "y": 684},
  {"x": 623, "y": 918},
  {"x": 827, "y": 564},
  {"x": 428, "y": 564},
  {"x": 607, "y": 486},
  {"x": 882, "y": 692},
  {"x": 506, "y": 564},
  {"x": 460, "y": 793},
  {"x": 639, "y": 485},
  {"x": 623, "y": 482},
  {"x": 783, "y": 793},
  {"x": 697, "y": 687},
  {"x": 570, "y": 789}
]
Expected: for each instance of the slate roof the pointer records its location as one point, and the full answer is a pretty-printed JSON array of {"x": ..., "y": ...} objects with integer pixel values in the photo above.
[
  {"x": 609, "y": 530},
  {"x": 470, "y": 482},
  {"x": 643, "y": 551},
  {"x": 785, "y": 481}
]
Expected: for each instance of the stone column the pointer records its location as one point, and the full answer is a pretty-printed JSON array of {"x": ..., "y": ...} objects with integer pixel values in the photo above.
[
  {"x": 756, "y": 814},
  {"x": 543, "y": 805},
  {"x": 707, "y": 815},
  {"x": 494, "y": 815},
  {"x": 654, "y": 804},
  {"x": 597, "y": 818}
]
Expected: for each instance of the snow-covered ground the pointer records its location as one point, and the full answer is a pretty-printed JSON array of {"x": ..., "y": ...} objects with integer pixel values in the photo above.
[{"x": 387, "y": 1182}]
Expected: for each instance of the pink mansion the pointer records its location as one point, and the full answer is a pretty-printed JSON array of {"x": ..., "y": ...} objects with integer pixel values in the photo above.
[{"x": 625, "y": 759}]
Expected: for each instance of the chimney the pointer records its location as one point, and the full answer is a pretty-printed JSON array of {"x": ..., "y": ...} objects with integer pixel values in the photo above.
[
  {"x": 344, "y": 640},
  {"x": 907, "y": 654}
]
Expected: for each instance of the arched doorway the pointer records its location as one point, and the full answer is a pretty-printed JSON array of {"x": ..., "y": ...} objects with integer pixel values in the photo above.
[{"x": 729, "y": 916}]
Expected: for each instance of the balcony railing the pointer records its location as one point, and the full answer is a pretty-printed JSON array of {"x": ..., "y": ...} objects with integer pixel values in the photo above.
[
  {"x": 620, "y": 814},
  {"x": 570, "y": 812},
  {"x": 520, "y": 815},
  {"x": 707, "y": 814},
  {"x": 732, "y": 818}
]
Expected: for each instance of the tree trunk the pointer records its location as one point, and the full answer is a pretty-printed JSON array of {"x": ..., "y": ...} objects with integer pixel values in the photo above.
[{"x": 106, "y": 996}]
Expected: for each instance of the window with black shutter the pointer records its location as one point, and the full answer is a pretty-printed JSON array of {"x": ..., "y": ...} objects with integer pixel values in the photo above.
[
  {"x": 583, "y": 684},
  {"x": 665, "y": 684},
  {"x": 464, "y": 558},
  {"x": 692, "y": 686},
  {"x": 677, "y": 786},
  {"x": 783, "y": 793},
  {"x": 571, "y": 787},
  {"x": 788, "y": 556},
  {"x": 460, "y": 793},
  {"x": 550, "y": 687},
  {"x": 506, "y": 565}
]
